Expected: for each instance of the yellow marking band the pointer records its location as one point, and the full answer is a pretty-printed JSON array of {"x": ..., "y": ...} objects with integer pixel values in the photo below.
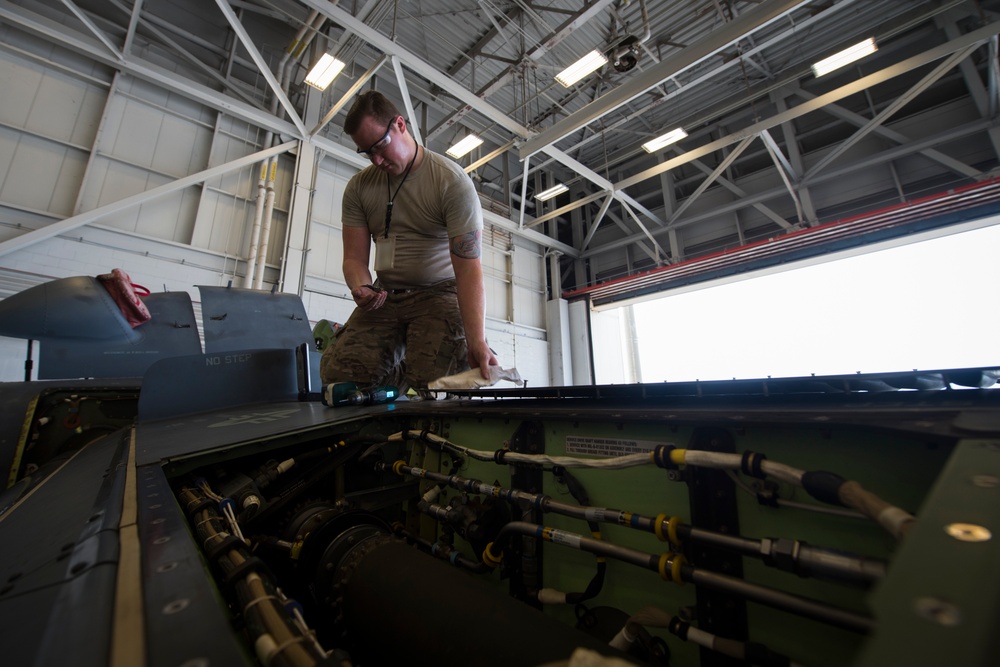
[
  {"x": 672, "y": 530},
  {"x": 489, "y": 559},
  {"x": 128, "y": 646},
  {"x": 677, "y": 456},
  {"x": 675, "y": 569},
  {"x": 597, "y": 536},
  {"x": 664, "y": 561},
  {"x": 22, "y": 441},
  {"x": 658, "y": 527},
  {"x": 397, "y": 467}
]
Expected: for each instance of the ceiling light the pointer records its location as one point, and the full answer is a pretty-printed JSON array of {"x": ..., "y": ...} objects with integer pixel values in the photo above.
[
  {"x": 846, "y": 56},
  {"x": 581, "y": 68},
  {"x": 557, "y": 189},
  {"x": 664, "y": 140},
  {"x": 325, "y": 71},
  {"x": 464, "y": 146}
]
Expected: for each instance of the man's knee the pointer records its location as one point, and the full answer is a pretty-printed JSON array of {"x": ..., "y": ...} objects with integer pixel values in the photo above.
[
  {"x": 442, "y": 351},
  {"x": 353, "y": 358}
]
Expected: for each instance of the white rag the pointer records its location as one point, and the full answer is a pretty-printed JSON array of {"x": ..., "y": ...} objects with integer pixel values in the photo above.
[{"x": 472, "y": 378}]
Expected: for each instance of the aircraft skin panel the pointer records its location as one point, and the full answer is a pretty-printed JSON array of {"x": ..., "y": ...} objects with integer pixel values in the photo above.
[
  {"x": 184, "y": 620},
  {"x": 58, "y": 562}
]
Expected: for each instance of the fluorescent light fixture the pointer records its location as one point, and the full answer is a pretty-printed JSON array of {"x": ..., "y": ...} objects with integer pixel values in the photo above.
[
  {"x": 848, "y": 55},
  {"x": 324, "y": 72},
  {"x": 581, "y": 68},
  {"x": 464, "y": 146},
  {"x": 546, "y": 195},
  {"x": 664, "y": 140}
]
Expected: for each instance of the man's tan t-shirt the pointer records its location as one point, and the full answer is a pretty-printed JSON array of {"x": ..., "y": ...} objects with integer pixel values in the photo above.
[{"x": 435, "y": 203}]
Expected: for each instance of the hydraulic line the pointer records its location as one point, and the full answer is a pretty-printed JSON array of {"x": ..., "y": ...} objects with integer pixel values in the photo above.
[
  {"x": 441, "y": 551},
  {"x": 506, "y": 456},
  {"x": 277, "y": 637},
  {"x": 772, "y": 499},
  {"x": 752, "y": 652},
  {"x": 824, "y": 486},
  {"x": 672, "y": 567},
  {"x": 784, "y": 554}
]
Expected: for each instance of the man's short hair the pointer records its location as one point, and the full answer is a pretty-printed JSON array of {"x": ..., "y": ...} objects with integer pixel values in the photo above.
[{"x": 369, "y": 104}]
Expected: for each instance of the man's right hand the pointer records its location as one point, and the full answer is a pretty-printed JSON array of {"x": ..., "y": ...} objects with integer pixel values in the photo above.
[{"x": 368, "y": 297}]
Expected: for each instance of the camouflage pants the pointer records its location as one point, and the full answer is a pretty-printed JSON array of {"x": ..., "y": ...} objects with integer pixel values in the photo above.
[{"x": 414, "y": 338}]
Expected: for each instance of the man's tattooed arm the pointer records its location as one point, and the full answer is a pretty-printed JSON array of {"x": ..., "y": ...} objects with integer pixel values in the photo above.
[{"x": 468, "y": 246}]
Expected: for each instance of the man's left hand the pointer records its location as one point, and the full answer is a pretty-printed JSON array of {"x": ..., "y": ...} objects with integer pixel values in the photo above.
[{"x": 482, "y": 357}]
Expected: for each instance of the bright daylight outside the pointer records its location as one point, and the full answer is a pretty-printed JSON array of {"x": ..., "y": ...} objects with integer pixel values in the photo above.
[{"x": 930, "y": 305}]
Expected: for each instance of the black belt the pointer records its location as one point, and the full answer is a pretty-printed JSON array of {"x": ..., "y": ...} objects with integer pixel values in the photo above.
[{"x": 407, "y": 290}]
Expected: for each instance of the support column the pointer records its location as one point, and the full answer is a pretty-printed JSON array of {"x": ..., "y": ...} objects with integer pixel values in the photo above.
[
  {"x": 296, "y": 249},
  {"x": 580, "y": 343},
  {"x": 561, "y": 347}
]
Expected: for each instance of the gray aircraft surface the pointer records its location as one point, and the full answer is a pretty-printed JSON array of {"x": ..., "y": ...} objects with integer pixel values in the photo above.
[{"x": 178, "y": 495}]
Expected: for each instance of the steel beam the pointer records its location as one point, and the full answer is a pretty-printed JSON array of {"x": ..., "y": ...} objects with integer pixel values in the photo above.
[
  {"x": 241, "y": 32},
  {"x": 92, "y": 27},
  {"x": 56, "y": 228},
  {"x": 887, "y": 112},
  {"x": 166, "y": 79},
  {"x": 736, "y": 152},
  {"x": 489, "y": 156},
  {"x": 491, "y": 218},
  {"x": 407, "y": 102},
  {"x": 975, "y": 37},
  {"x": 166, "y": 39},
  {"x": 416, "y": 63},
  {"x": 751, "y": 94},
  {"x": 661, "y": 255},
  {"x": 784, "y": 169},
  {"x": 759, "y": 16},
  {"x": 739, "y": 192},
  {"x": 885, "y": 156},
  {"x": 638, "y": 243},
  {"x": 838, "y": 111},
  {"x": 597, "y": 221},
  {"x": 134, "y": 18},
  {"x": 577, "y": 203},
  {"x": 586, "y": 14},
  {"x": 422, "y": 68}
]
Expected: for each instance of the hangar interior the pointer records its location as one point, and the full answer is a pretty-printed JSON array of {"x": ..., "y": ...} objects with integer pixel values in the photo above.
[{"x": 820, "y": 521}]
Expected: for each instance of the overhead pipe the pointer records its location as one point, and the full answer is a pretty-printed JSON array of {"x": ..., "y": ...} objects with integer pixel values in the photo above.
[
  {"x": 265, "y": 228},
  {"x": 260, "y": 231},
  {"x": 258, "y": 216}
]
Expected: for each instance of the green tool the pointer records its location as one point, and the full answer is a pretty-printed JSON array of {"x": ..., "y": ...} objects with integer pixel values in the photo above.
[{"x": 337, "y": 394}]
